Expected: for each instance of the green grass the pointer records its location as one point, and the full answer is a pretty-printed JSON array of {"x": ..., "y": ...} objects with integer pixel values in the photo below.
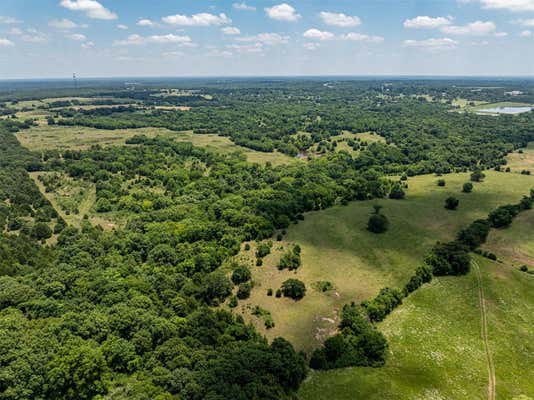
[
  {"x": 435, "y": 347},
  {"x": 336, "y": 247},
  {"x": 42, "y": 137}
]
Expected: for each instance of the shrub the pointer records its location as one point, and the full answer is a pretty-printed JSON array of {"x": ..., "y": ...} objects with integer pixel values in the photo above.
[
  {"x": 247, "y": 246},
  {"x": 41, "y": 231},
  {"x": 358, "y": 344},
  {"x": 467, "y": 187},
  {"x": 503, "y": 216},
  {"x": 451, "y": 203},
  {"x": 477, "y": 176},
  {"x": 378, "y": 223},
  {"x": 233, "y": 302},
  {"x": 441, "y": 182},
  {"x": 475, "y": 234},
  {"x": 386, "y": 301},
  {"x": 263, "y": 249},
  {"x": 523, "y": 268},
  {"x": 279, "y": 237},
  {"x": 397, "y": 193},
  {"x": 278, "y": 293},
  {"x": 294, "y": 289},
  {"x": 241, "y": 274},
  {"x": 449, "y": 259},
  {"x": 290, "y": 260},
  {"x": 269, "y": 292},
  {"x": 243, "y": 291},
  {"x": 259, "y": 262},
  {"x": 422, "y": 275}
]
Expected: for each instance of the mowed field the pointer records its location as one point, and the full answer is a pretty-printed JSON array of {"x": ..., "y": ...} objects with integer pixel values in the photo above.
[
  {"x": 43, "y": 137},
  {"x": 336, "y": 247}
]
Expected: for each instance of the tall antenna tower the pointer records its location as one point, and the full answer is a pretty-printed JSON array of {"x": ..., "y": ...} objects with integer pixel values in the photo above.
[{"x": 75, "y": 81}]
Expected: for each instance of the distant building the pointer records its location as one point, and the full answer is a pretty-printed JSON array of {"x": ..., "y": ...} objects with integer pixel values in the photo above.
[{"x": 514, "y": 93}]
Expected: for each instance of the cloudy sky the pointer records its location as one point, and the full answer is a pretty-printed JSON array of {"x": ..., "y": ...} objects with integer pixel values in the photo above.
[{"x": 54, "y": 38}]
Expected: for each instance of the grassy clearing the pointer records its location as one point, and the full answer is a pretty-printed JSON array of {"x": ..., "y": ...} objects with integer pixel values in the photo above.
[
  {"x": 521, "y": 161},
  {"x": 44, "y": 137},
  {"x": 435, "y": 347},
  {"x": 336, "y": 247}
]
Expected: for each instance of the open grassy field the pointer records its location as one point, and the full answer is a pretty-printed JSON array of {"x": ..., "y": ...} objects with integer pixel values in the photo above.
[
  {"x": 44, "y": 137},
  {"x": 436, "y": 350},
  {"x": 336, "y": 247},
  {"x": 519, "y": 161}
]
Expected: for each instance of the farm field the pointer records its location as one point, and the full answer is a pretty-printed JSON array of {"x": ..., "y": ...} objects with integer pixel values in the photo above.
[
  {"x": 336, "y": 247},
  {"x": 43, "y": 137},
  {"x": 524, "y": 160}
]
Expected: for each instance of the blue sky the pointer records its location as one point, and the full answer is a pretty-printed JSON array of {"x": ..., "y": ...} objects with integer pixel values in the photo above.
[{"x": 54, "y": 38}]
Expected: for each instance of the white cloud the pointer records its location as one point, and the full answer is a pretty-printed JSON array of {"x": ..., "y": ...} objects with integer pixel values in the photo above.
[
  {"x": 246, "y": 48},
  {"x": 432, "y": 45},
  {"x": 137, "y": 40},
  {"x": 230, "y": 30},
  {"x": 282, "y": 12},
  {"x": 62, "y": 24},
  {"x": 243, "y": 7},
  {"x": 526, "y": 22},
  {"x": 509, "y": 5},
  {"x": 122, "y": 26},
  {"x": 269, "y": 39},
  {"x": 202, "y": 19},
  {"x": 311, "y": 46},
  {"x": 426, "y": 22},
  {"x": 219, "y": 53},
  {"x": 477, "y": 28},
  {"x": 6, "y": 43},
  {"x": 173, "y": 54},
  {"x": 88, "y": 45},
  {"x": 145, "y": 22},
  {"x": 360, "y": 37},
  {"x": 526, "y": 34},
  {"x": 9, "y": 20},
  {"x": 78, "y": 37},
  {"x": 29, "y": 35},
  {"x": 317, "y": 34},
  {"x": 91, "y": 8},
  {"x": 339, "y": 19}
]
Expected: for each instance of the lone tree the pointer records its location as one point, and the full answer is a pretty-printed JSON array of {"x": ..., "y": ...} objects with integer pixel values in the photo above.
[
  {"x": 294, "y": 289},
  {"x": 467, "y": 188},
  {"x": 378, "y": 223},
  {"x": 451, "y": 203},
  {"x": 477, "y": 176}
]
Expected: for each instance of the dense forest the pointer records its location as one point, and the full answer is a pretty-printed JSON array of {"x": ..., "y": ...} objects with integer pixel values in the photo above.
[{"x": 136, "y": 312}]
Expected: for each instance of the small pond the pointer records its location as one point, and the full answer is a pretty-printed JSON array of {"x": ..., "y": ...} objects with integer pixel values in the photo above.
[{"x": 506, "y": 110}]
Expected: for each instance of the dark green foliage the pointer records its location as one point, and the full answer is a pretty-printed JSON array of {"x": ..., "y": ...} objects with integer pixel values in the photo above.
[
  {"x": 477, "y": 176},
  {"x": 263, "y": 249},
  {"x": 523, "y": 268},
  {"x": 358, "y": 344},
  {"x": 449, "y": 259},
  {"x": 467, "y": 187},
  {"x": 451, "y": 203},
  {"x": 441, "y": 182},
  {"x": 41, "y": 231},
  {"x": 422, "y": 275},
  {"x": 241, "y": 274},
  {"x": 269, "y": 292},
  {"x": 243, "y": 291},
  {"x": 294, "y": 289},
  {"x": 503, "y": 216},
  {"x": 290, "y": 259},
  {"x": 475, "y": 234},
  {"x": 233, "y": 302},
  {"x": 378, "y": 223},
  {"x": 397, "y": 192},
  {"x": 385, "y": 302},
  {"x": 278, "y": 293},
  {"x": 526, "y": 203}
]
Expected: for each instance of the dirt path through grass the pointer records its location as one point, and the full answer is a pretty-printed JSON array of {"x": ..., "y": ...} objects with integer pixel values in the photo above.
[{"x": 484, "y": 334}]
